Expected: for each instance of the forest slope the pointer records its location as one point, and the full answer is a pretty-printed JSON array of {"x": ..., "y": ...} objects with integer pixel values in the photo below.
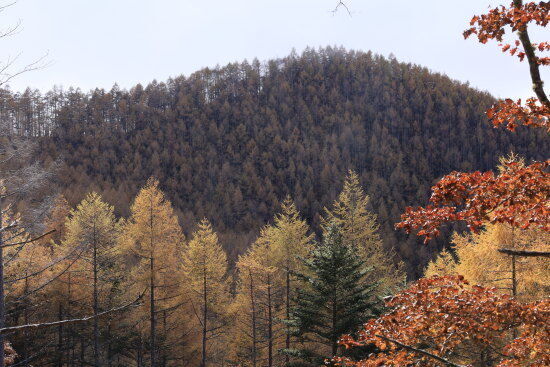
[{"x": 229, "y": 143}]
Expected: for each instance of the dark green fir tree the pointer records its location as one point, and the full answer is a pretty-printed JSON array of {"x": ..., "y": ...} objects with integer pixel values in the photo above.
[{"x": 334, "y": 300}]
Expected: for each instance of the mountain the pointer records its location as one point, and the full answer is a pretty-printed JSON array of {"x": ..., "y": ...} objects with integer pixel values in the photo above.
[{"x": 229, "y": 143}]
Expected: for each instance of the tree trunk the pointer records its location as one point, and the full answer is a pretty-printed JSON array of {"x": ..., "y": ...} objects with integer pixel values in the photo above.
[
  {"x": 96, "y": 309},
  {"x": 2, "y": 300},
  {"x": 152, "y": 317},
  {"x": 109, "y": 345},
  {"x": 26, "y": 343},
  {"x": 165, "y": 331},
  {"x": 152, "y": 290},
  {"x": 204, "y": 325},
  {"x": 70, "y": 331},
  {"x": 253, "y": 306},
  {"x": 269, "y": 325},
  {"x": 60, "y": 337},
  {"x": 287, "y": 341},
  {"x": 82, "y": 350},
  {"x": 140, "y": 353},
  {"x": 335, "y": 336}
]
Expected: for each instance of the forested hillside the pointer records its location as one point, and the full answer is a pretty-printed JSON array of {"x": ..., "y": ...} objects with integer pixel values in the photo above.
[{"x": 230, "y": 143}]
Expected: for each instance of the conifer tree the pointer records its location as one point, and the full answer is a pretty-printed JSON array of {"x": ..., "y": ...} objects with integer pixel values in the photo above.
[
  {"x": 93, "y": 229},
  {"x": 359, "y": 230},
  {"x": 480, "y": 262},
  {"x": 334, "y": 299},
  {"x": 443, "y": 264},
  {"x": 269, "y": 298},
  {"x": 288, "y": 239},
  {"x": 153, "y": 239},
  {"x": 27, "y": 270},
  {"x": 258, "y": 307},
  {"x": 205, "y": 266},
  {"x": 245, "y": 312},
  {"x": 61, "y": 291}
]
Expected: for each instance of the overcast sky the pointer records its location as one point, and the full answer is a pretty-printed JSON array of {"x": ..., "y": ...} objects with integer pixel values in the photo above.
[{"x": 95, "y": 43}]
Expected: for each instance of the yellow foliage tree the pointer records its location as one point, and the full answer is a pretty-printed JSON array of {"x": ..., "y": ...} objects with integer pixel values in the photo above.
[
  {"x": 443, "y": 264},
  {"x": 153, "y": 241},
  {"x": 360, "y": 230},
  {"x": 92, "y": 230},
  {"x": 27, "y": 270},
  {"x": 61, "y": 291},
  {"x": 205, "y": 265},
  {"x": 288, "y": 239},
  {"x": 480, "y": 262},
  {"x": 257, "y": 308},
  {"x": 244, "y": 347}
]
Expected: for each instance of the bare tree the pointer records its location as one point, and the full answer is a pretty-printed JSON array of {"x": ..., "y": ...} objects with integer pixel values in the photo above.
[{"x": 8, "y": 67}]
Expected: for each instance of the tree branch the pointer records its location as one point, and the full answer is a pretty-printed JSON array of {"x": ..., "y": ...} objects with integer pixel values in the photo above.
[
  {"x": 28, "y": 241},
  {"x": 69, "y": 321},
  {"x": 538, "y": 84},
  {"x": 524, "y": 253},
  {"x": 341, "y": 4}
]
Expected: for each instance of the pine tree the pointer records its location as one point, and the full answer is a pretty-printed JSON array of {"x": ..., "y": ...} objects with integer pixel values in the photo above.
[
  {"x": 205, "y": 265},
  {"x": 334, "y": 299},
  {"x": 359, "y": 230},
  {"x": 153, "y": 239},
  {"x": 92, "y": 230}
]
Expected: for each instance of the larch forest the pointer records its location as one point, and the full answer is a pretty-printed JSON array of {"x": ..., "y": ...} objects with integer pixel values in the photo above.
[{"x": 273, "y": 213}]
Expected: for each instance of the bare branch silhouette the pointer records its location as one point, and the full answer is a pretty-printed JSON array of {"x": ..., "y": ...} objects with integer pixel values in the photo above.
[{"x": 339, "y": 5}]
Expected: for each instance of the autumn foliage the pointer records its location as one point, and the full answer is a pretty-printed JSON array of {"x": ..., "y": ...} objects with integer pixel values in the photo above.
[
  {"x": 445, "y": 320},
  {"x": 461, "y": 324},
  {"x": 533, "y": 114},
  {"x": 518, "y": 194},
  {"x": 493, "y": 25}
]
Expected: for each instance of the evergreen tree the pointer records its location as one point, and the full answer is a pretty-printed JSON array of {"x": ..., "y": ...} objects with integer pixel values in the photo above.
[
  {"x": 333, "y": 301},
  {"x": 27, "y": 267}
]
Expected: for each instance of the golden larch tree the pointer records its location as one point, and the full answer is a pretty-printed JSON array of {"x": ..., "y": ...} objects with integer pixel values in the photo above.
[
  {"x": 480, "y": 262},
  {"x": 27, "y": 270},
  {"x": 258, "y": 307},
  {"x": 153, "y": 241},
  {"x": 92, "y": 231},
  {"x": 288, "y": 239},
  {"x": 360, "y": 230},
  {"x": 205, "y": 266}
]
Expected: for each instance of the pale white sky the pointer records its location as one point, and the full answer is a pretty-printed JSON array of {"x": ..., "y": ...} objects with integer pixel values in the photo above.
[{"x": 95, "y": 43}]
